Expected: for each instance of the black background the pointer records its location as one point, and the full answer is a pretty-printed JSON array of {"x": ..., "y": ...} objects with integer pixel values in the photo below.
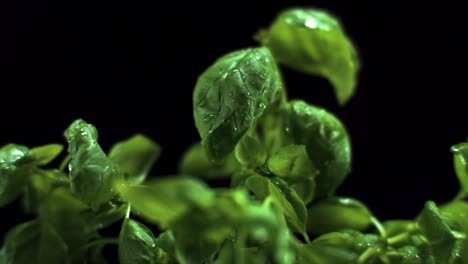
[{"x": 131, "y": 67}]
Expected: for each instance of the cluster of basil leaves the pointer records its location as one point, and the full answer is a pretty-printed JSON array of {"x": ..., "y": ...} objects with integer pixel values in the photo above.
[{"x": 284, "y": 160}]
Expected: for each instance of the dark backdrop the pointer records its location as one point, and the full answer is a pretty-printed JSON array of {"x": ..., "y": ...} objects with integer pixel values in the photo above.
[{"x": 131, "y": 67}]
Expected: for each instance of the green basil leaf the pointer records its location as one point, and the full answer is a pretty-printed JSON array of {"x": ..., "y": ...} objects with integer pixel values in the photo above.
[
  {"x": 43, "y": 155},
  {"x": 195, "y": 163},
  {"x": 14, "y": 171},
  {"x": 338, "y": 213},
  {"x": 33, "y": 242},
  {"x": 460, "y": 162},
  {"x": 231, "y": 95},
  {"x": 137, "y": 244},
  {"x": 326, "y": 141},
  {"x": 305, "y": 189},
  {"x": 92, "y": 174},
  {"x": 166, "y": 242},
  {"x": 283, "y": 196},
  {"x": 395, "y": 227},
  {"x": 317, "y": 254},
  {"x": 106, "y": 215},
  {"x": 164, "y": 200},
  {"x": 250, "y": 153},
  {"x": 314, "y": 42},
  {"x": 40, "y": 184},
  {"x": 135, "y": 157},
  {"x": 64, "y": 212},
  {"x": 330, "y": 248},
  {"x": 199, "y": 234},
  {"x": 458, "y": 210},
  {"x": 444, "y": 241},
  {"x": 425, "y": 251},
  {"x": 292, "y": 163}
]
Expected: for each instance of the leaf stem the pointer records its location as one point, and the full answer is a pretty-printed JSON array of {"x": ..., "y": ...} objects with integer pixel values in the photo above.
[
  {"x": 378, "y": 225},
  {"x": 306, "y": 237},
  {"x": 64, "y": 163},
  {"x": 127, "y": 214},
  {"x": 366, "y": 255},
  {"x": 398, "y": 238}
]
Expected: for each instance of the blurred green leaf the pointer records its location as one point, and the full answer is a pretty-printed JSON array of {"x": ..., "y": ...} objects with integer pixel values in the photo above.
[
  {"x": 195, "y": 163},
  {"x": 162, "y": 201},
  {"x": 135, "y": 157},
  {"x": 338, "y": 213}
]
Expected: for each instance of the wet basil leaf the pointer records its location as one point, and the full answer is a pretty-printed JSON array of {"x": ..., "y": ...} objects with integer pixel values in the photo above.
[
  {"x": 458, "y": 211},
  {"x": 313, "y": 41},
  {"x": 326, "y": 141},
  {"x": 231, "y": 95},
  {"x": 14, "y": 171},
  {"x": 444, "y": 241},
  {"x": 164, "y": 200},
  {"x": 137, "y": 244},
  {"x": 338, "y": 213},
  {"x": 92, "y": 173},
  {"x": 135, "y": 157},
  {"x": 283, "y": 196}
]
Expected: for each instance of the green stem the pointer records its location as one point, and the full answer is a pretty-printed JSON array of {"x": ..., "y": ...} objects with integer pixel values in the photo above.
[
  {"x": 306, "y": 237},
  {"x": 64, "y": 163},
  {"x": 127, "y": 214},
  {"x": 398, "y": 238},
  {"x": 366, "y": 255},
  {"x": 378, "y": 225}
]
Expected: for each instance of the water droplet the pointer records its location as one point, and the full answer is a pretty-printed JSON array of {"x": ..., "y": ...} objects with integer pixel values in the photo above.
[
  {"x": 153, "y": 245},
  {"x": 261, "y": 105}
]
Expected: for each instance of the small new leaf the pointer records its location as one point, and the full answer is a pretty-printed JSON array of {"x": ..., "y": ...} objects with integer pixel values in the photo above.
[
  {"x": 283, "y": 196},
  {"x": 313, "y": 41},
  {"x": 293, "y": 163},
  {"x": 250, "y": 153},
  {"x": 137, "y": 244},
  {"x": 135, "y": 157},
  {"x": 231, "y": 95}
]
